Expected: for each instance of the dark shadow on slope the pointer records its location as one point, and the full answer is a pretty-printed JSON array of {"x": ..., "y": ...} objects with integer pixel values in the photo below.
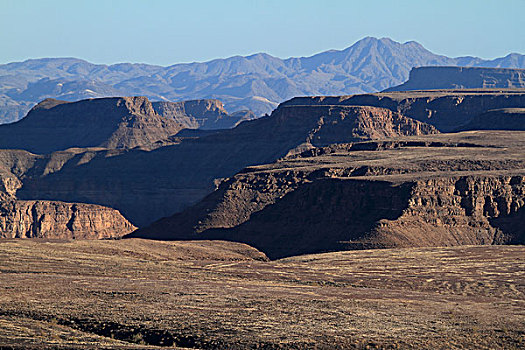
[
  {"x": 512, "y": 226},
  {"x": 320, "y": 217}
]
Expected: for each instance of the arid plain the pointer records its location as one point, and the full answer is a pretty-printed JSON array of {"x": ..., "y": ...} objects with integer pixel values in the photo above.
[{"x": 218, "y": 295}]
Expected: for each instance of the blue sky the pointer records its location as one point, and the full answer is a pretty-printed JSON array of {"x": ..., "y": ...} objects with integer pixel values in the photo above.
[{"x": 168, "y": 32}]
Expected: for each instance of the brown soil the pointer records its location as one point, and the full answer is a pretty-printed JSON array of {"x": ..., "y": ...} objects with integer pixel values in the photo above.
[{"x": 214, "y": 295}]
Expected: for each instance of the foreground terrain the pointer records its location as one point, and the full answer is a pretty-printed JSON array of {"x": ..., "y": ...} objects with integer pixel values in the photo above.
[{"x": 212, "y": 295}]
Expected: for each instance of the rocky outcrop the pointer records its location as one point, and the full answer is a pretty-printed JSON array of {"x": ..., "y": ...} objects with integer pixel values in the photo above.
[
  {"x": 427, "y": 191},
  {"x": 59, "y": 220},
  {"x": 328, "y": 214},
  {"x": 439, "y": 78},
  {"x": 148, "y": 186},
  {"x": 52, "y": 219},
  {"x": 120, "y": 122},
  {"x": 201, "y": 114},
  {"x": 456, "y": 211},
  {"x": 447, "y": 110}
]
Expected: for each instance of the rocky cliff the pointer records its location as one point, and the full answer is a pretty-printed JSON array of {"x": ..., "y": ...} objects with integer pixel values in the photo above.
[
  {"x": 145, "y": 186},
  {"x": 447, "y": 110},
  {"x": 51, "y": 219},
  {"x": 201, "y": 114},
  {"x": 449, "y": 189},
  {"x": 59, "y": 220},
  {"x": 120, "y": 122},
  {"x": 439, "y": 78}
]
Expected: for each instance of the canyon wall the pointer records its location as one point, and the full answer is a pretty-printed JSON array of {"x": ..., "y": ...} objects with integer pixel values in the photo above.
[
  {"x": 60, "y": 220},
  {"x": 434, "y": 190},
  {"x": 447, "y": 110}
]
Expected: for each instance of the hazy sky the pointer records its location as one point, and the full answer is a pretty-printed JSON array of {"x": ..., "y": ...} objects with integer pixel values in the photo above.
[{"x": 168, "y": 32}]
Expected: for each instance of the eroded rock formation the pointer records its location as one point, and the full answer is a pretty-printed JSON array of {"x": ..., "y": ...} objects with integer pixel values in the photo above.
[
  {"x": 202, "y": 114},
  {"x": 119, "y": 122},
  {"x": 60, "y": 220},
  {"x": 51, "y": 219},
  {"x": 146, "y": 186},
  {"x": 447, "y": 110},
  {"x": 455, "y": 189}
]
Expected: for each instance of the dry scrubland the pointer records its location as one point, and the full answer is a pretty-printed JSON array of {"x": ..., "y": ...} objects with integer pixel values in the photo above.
[{"x": 213, "y": 295}]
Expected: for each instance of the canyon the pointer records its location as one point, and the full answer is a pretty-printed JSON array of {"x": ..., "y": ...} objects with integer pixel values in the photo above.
[
  {"x": 431, "y": 190},
  {"x": 168, "y": 179},
  {"x": 134, "y": 162}
]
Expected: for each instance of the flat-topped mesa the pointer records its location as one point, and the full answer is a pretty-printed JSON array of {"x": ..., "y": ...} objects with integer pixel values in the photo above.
[
  {"x": 206, "y": 114},
  {"x": 439, "y": 78},
  {"x": 116, "y": 122},
  {"x": 447, "y": 110}
]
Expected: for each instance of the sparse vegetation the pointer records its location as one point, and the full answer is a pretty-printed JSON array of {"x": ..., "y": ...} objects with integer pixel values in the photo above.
[{"x": 215, "y": 295}]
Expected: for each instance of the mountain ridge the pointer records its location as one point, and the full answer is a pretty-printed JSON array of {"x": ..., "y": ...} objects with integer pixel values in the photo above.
[{"x": 257, "y": 82}]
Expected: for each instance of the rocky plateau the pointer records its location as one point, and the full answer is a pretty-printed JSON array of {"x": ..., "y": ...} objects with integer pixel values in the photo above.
[
  {"x": 440, "y": 78},
  {"x": 113, "y": 123},
  {"x": 435, "y": 190}
]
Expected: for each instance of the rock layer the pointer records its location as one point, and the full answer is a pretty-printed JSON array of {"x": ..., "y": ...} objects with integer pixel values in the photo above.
[
  {"x": 436, "y": 190},
  {"x": 447, "y": 110},
  {"x": 59, "y": 220}
]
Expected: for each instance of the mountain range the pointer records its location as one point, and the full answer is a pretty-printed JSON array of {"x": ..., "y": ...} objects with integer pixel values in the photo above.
[{"x": 258, "y": 82}]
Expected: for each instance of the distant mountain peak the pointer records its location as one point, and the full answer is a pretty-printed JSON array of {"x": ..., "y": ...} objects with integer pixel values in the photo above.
[{"x": 369, "y": 65}]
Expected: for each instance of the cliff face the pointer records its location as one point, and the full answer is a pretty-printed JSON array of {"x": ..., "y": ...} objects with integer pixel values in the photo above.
[
  {"x": 466, "y": 188},
  {"x": 446, "y": 110},
  {"x": 201, "y": 114},
  {"x": 439, "y": 78},
  {"x": 120, "y": 122},
  {"x": 456, "y": 211},
  {"x": 169, "y": 179},
  {"x": 339, "y": 124},
  {"x": 59, "y": 220},
  {"x": 51, "y": 219}
]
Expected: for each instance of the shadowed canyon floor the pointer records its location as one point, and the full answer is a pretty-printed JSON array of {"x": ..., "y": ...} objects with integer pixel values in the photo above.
[{"x": 215, "y": 295}]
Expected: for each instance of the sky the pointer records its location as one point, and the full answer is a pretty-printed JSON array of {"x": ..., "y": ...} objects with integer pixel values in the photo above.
[{"x": 166, "y": 32}]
